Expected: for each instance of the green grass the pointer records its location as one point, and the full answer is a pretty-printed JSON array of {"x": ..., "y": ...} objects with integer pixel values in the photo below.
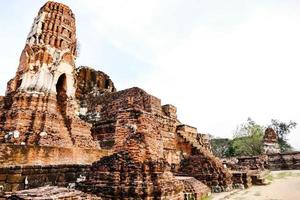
[
  {"x": 270, "y": 177},
  {"x": 206, "y": 198},
  {"x": 257, "y": 194},
  {"x": 297, "y": 174},
  {"x": 282, "y": 175}
]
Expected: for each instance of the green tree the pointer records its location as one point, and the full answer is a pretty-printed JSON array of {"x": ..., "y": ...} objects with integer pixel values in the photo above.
[
  {"x": 248, "y": 139},
  {"x": 283, "y": 129},
  {"x": 220, "y": 147}
]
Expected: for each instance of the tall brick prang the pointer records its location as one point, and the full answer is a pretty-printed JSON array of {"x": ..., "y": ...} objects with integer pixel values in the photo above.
[
  {"x": 40, "y": 107},
  {"x": 270, "y": 142}
]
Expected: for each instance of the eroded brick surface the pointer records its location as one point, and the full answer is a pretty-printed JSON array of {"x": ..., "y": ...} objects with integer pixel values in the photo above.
[
  {"x": 51, "y": 192},
  {"x": 121, "y": 177},
  {"x": 193, "y": 189},
  {"x": 134, "y": 122},
  {"x": 39, "y": 106},
  {"x": 51, "y": 103},
  {"x": 270, "y": 142}
]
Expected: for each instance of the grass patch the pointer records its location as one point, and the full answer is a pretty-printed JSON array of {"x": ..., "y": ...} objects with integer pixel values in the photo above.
[
  {"x": 257, "y": 194},
  {"x": 282, "y": 175},
  {"x": 206, "y": 198},
  {"x": 270, "y": 177},
  {"x": 297, "y": 174}
]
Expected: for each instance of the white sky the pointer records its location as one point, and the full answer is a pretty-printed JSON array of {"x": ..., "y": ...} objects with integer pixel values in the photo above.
[{"x": 219, "y": 62}]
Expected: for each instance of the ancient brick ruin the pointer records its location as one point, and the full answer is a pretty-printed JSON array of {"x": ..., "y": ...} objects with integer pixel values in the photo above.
[
  {"x": 68, "y": 126},
  {"x": 248, "y": 170},
  {"x": 270, "y": 142},
  {"x": 40, "y": 106},
  {"x": 52, "y": 192}
]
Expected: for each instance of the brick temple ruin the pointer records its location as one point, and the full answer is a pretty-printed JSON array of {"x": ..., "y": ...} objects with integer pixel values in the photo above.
[
  {"x": 63, "y": 125},
  {"x": 270, "y": 142},
  {"x": 67, "y": 133}
]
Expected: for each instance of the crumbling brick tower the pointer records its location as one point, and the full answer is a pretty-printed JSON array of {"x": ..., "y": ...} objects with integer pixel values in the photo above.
[
  {"x": 149, "y": 144},
  {"x": 39, "y": 106},
  {"x": 270, "y": 142}
]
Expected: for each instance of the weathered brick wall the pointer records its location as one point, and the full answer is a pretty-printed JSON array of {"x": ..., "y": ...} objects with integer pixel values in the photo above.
[
  {"x": 51, "y": 192},
  {"x": 206, "y": 169},
  {"x": 89, "y": 83},
  {"x": 170, "y": 110},
  {"x": 244, "y": 163},
  {"x": 120, "y": 176},
  {"x": 284, "y": 161},
  {"x": 107, "y": 105},
  {"x": 37, "y": 120},
  {"x": 137, "y": 132},
  {"x": 39, "y": 165},
  {"x": 136, "y": 125},
  {"x": 277, "y": 161},
  {"x": 25, "y": 177},
  {"x": 1, "y": 101},
  {"x": 133, "y": 108},
  {"x": 135, "y": 122},
  {"x": 241, "y": 179},
  {"x": 193, "y": 188},
  {"x": 197, "y": 160},
  {"x": 104, "y": 112},
  {"x": 11, "y": 155}
]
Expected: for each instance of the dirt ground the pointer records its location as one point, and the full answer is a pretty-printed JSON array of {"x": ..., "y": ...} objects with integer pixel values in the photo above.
[{"x": 285, "y": 185}]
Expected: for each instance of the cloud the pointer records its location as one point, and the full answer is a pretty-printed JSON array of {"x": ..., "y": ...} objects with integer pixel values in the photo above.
[
  {"x": 221, "y": 77},
  {"x": 220, "y": 65}
]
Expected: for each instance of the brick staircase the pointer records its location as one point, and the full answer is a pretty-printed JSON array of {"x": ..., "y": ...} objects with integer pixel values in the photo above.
[{"x": 203, "y": 165}]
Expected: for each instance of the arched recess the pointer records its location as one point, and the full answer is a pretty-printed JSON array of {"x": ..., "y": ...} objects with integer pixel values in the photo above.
[
  {"x": 18, "y": 83},
  {"x": 61, "y": 92},
  {"x": 61, "y": 85}
]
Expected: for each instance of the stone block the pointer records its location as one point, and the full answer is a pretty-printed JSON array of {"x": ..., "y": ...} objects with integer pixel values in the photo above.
[
  {"x": 15, "y": 178},
  {"x": 3, "y": 177}
]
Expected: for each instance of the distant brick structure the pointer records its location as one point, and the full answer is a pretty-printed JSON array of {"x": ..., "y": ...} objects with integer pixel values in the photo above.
[{"x": 270, "y": 142}]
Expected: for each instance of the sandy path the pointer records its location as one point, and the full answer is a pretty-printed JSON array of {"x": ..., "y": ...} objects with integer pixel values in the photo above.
[{"x": 285, "y": 186}]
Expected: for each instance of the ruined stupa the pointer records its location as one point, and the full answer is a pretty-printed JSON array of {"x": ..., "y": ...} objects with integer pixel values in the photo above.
[
  {"x": 51, "y": 103},
  {"x": 270, "y": 142},
  {"x": 39, "y": 106}
]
